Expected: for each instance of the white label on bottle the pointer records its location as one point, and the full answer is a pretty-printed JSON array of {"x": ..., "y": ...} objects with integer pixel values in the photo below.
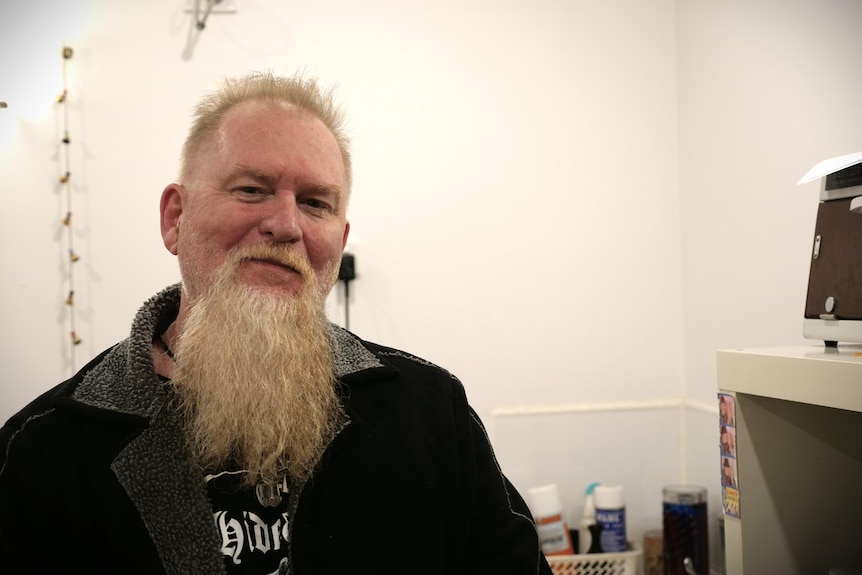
[{"x": 553, "y": 535}]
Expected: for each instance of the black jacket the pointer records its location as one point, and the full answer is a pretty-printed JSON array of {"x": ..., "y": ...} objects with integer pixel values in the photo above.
[{"x": 95, "y": 477}]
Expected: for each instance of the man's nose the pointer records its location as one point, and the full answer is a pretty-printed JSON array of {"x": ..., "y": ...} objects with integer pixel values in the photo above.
[{"x": 282, "y": 220}]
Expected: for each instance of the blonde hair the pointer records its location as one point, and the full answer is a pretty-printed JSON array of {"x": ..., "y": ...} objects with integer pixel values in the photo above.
[{"x": 304, "y": 93}]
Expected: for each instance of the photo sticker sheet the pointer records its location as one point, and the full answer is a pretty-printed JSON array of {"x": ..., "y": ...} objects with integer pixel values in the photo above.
[{"x": 728, "y": 460}]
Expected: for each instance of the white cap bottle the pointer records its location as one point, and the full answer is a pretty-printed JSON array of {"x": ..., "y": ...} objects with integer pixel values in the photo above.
[
  {"x": 551, "y": 526},
  {"x": 611, "y": 515}
]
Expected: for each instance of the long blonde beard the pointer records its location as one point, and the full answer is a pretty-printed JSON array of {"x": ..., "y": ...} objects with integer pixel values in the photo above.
[{"x": 255, "y": 378}]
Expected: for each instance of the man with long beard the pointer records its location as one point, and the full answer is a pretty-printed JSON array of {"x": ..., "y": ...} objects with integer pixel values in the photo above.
[{"x": 236, "y": 430}]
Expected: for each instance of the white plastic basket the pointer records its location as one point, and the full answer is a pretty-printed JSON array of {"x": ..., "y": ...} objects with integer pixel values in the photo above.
[{"x": 625, "y": 563}]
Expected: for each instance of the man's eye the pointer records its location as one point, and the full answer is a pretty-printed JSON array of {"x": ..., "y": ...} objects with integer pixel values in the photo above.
[
  {"x": 249, "y": 193},
  {"x": 316, "y": 204}
]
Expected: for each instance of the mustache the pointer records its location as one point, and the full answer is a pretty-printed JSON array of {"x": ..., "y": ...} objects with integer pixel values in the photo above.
[{"x": 282, "y": 254}]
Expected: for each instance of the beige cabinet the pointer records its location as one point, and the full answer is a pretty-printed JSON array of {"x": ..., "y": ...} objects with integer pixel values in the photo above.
[{"x": 799, "y": 459}]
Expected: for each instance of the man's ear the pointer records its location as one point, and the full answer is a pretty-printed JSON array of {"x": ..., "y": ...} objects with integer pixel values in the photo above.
[
  {"x": 170, "y": 210},
  {"x": 346, "y": 233}
]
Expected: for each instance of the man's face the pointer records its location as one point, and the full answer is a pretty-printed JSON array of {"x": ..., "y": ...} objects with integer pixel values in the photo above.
[{"x": 269, "y": 175}]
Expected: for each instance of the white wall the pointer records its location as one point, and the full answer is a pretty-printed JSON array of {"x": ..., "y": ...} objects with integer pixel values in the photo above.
[
  {"x": 516, "y": 209},
  {"x": 562, "y": 202},
  {"x": 767, "y": 90}
]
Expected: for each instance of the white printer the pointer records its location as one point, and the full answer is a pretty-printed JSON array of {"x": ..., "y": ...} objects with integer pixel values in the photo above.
[{"x": 833, "y": 306}]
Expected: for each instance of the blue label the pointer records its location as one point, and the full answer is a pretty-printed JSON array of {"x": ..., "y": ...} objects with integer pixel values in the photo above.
[{"x": 613, "y": 536}]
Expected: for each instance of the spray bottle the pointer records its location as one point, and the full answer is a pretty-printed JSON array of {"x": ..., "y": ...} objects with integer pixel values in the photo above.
[{"x": 589, "y": 519}]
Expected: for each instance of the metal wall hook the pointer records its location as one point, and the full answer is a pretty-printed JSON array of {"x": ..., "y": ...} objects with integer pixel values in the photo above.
[{"x": 202, "y": 22}]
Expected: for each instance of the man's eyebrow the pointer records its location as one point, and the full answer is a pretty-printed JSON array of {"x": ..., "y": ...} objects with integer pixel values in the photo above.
[
  {"x": 241, "y": 170},
  {"x": 333, "y": 189}
]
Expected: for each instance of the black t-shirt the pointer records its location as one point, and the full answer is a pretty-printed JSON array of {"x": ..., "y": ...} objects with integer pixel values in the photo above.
[{"x": 254, "y": 537}]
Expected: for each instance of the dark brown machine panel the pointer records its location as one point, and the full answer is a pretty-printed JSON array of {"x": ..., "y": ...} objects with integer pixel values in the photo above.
[{"x": 835, "y": 279}]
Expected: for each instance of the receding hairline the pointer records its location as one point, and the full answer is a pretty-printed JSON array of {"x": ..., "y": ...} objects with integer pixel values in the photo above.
[{"x": 298, "y": 92}]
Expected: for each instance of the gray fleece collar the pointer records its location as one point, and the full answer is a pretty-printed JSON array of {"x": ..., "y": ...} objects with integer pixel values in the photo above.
[
  {"x": 167, "y": 490},
  {"x": 125, "y": 380}
]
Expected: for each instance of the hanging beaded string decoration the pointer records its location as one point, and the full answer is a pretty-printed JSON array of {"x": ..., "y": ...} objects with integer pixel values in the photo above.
[{"x": 66, "y": 184}]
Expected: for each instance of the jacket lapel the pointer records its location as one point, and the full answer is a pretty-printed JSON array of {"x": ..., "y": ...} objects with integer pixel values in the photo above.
[
  {"x": 154, "y": 468},
  {"x": 170, "y": 496}
]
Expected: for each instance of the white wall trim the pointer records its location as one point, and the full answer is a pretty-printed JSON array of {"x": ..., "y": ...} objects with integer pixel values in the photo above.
[{"x": 604, "y": 406}]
